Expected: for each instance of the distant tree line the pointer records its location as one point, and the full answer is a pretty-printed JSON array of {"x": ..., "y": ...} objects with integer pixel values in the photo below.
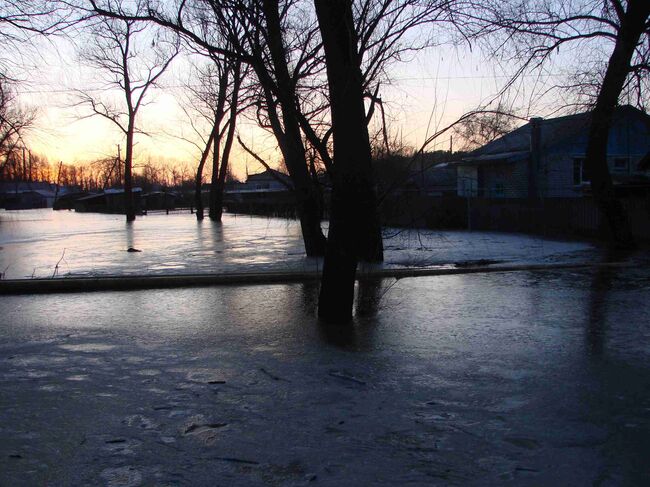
[{"x": 23, "y": 165}]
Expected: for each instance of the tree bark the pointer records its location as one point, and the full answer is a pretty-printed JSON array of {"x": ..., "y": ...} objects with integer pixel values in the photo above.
[
  {"x": 128, "y": 173},
  {"x": 198, "y": 199},
  {"x": 633, "y": 25},
  {"x": 354, "y": 225}
]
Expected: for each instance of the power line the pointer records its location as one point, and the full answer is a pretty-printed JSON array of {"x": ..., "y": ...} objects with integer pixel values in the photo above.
[{"x": 175, "y": 86}]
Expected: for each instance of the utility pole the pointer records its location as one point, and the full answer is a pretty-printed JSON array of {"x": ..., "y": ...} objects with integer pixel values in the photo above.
[
  {"x": 24, "y": 166},
  {"x": 119, "y": 166},
  {"x": 58, "y": 178}
]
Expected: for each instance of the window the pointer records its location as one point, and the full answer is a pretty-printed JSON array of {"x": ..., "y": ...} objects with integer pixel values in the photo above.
[
  {"x": 580, "y": 172},
  {"x": 621, "y": 164}
]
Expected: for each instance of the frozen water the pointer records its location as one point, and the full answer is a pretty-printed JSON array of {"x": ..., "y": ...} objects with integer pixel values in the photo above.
[
  {"x": 517, "y": 379},
  {"x": 46, "y": 243}
]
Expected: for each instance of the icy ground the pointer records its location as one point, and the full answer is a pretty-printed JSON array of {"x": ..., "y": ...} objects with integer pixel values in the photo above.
[
  {"x": 520, "y": 378},
  {"x": 44, "y": 243}
]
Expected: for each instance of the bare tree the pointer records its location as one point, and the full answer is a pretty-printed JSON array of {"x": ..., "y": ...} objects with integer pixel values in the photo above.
[
  {"x": 207, "y": 90},
  {"x": 216, "y": 98},
  {"x": 223, "y": 169},
  {"x": 634, "y": 25},
  {"x": 14, "y": 122},
  {"x": 271, "y": 59},
  {"x": 280, "y": 40},
  {"x": 354, "y": 204},
  {"x": 484, "y": 127},
  {"x": 132, "y": 60}
]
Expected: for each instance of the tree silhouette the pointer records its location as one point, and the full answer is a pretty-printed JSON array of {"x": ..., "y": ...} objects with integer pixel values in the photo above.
[{"x": 132, "y": 60}]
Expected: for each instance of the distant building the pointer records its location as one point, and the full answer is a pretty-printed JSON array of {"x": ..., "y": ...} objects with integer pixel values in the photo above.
[
  {"x": 546, "y": 158},
  {"x": 269, "y": 180},
  {"x": 434, "y": 180},
  {"x": 109, "y": 201},
  {"x": 67, "y": 200},
  {"x": 268, "y": 192},
  {"x": 160, "y": 200},
  {"x": 24, "y": 195}
]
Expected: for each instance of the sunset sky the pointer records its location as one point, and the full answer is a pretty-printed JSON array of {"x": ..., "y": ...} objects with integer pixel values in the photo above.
[{"x": 426, "y": 93}]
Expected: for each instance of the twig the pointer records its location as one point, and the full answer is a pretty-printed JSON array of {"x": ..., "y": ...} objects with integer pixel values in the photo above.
[
  {"x": 56, "y": 267},
  {"x": 272, "y": 172},
  {"x": 236, "y": 460},
  {"x": 272, "y": 376}
]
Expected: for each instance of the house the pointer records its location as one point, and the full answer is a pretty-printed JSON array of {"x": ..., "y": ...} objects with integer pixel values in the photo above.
[
  {"x": 268, "y": 192},
  {"x": 30, "y": 199},
  {"x": 23, "y": 195},
  {"x": 268, "y": 181},
  {"x": 434, "y": 180},
  {"x": 67, "y": 200},
  {"x": 545, "y": 158},
  {"x": 110, "y": 201},
  {"x": 160, "y": 200}
]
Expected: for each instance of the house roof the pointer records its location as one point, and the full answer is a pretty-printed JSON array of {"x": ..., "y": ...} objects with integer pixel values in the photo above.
[
  {"x": 108, "y": 192},
  {"x": 511, "y": 156},
  {"x": 268, "y": 174},
  {"x": 162, "y": 193},
  {"x": 120, "y": 191},
  {"x": 25, "y": 186},
  {"x": 91, "y": 197},
  {"x": 42, "y": 192},
  {"x": 437, "y": 175},
  {"x": 554, "y": 132}
]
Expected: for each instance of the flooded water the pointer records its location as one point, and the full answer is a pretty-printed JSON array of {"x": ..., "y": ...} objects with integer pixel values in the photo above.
[
  {"x": 517, "y": 379},
  {"x": 46, "y": 243},
  {"x": 514, "y": 378}
]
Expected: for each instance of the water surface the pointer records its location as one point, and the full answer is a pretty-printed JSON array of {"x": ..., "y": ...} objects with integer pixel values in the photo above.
[{"x": 46, "y": 243}]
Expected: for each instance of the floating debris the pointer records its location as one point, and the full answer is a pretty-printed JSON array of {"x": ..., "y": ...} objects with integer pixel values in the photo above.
[
  {"x": 272, "y": 376},
  {"x": 195, "y": 428},
  {"x": 235, "y": 460}
]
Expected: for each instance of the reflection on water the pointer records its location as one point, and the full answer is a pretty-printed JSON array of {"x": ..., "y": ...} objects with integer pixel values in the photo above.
[
  {"x": 493, "y": 366},
  {"x": 32, "y": 241},
  {"x": 128, "y": 232},
  {"x": 596, "y": 321},
  {"x": 369, "y": 294}
]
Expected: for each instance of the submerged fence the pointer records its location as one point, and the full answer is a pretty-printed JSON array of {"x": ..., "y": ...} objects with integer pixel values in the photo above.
[{"x": 577, "y": 217}]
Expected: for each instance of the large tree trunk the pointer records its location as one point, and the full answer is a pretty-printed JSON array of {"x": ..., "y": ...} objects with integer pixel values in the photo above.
[
  {"x": 128, "y": 173},
  {"x": 216, "y": 149},
  {"x": 198, "y": 199},
  {"x": 225, "y": 156},
  {"x": 354, "y": 225},
  {"x": 632, "y": 27},
  {"x": 290, "y": 139}
]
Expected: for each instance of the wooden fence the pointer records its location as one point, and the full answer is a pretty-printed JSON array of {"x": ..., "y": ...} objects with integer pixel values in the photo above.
[{"x": 570, "y": 217}]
